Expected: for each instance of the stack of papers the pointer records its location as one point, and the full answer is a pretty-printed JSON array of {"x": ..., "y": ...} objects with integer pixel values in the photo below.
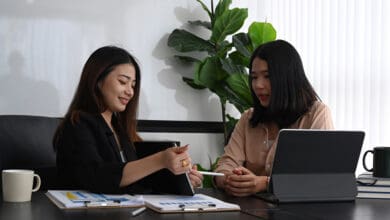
[
  {"x": 67, "y": 199},
  {"x": 196, "y": 203}
]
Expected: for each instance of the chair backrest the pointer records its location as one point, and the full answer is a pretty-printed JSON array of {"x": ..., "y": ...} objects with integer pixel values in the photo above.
[{"x": 26, "y": 143}]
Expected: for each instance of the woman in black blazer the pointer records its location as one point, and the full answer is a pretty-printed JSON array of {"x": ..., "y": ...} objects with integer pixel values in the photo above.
[{"x": 94, "y": 141}]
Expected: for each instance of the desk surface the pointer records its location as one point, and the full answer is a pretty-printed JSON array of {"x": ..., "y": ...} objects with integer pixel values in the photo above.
[{"x": 42, "y": 208}]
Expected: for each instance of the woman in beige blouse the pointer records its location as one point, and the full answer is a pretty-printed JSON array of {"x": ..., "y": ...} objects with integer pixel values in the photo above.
[{"x": 283, "y": 98}]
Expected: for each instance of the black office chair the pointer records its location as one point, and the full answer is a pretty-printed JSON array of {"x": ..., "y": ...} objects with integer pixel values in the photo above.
[{"x": 26, "y": 143}]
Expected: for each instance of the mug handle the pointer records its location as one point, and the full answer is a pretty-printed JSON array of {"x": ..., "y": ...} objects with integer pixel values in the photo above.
[
  {"x": 36, "y": 188},
  {"x": 364, "y": 160}
]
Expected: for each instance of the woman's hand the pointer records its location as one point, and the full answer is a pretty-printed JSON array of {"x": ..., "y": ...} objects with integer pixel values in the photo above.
[
  {"x": 176, "y": 159},
  {"x": 195, "y": 177},
  {"x": 242, "y": 182}
]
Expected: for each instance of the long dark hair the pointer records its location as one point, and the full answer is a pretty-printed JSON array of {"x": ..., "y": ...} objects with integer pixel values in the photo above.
[
  {"x": 291, "y": 92},
  {"x": 88, "y": 97}
]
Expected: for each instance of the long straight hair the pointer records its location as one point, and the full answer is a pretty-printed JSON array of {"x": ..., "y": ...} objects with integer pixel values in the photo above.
[
  {"x": 291, "y": 92},
  {"x": 88, "y": 97}
]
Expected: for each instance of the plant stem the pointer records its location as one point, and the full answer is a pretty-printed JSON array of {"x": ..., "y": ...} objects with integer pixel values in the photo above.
[
  {"x": 223, "y": 107},
  {"x": 212, "y": 7}
]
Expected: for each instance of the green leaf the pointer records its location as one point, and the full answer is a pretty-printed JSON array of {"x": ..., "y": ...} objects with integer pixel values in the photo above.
[
  {"x": 214, "y": 165},
  {"x": 187, "y": 59},
  {"x": 205, "y": 8},
  {"x": 223, "y": 48},
  {"x": 261, "y": 32},
  {"x": 221, "y": 92},
  {"x": 228, "y": 23},
  {"x": 222, "y": 6},
  {"x": 198, "y": 66},
  {"x": 239, "y": 59},
  {"x": 230, "y": 123},
  {"x": 205, "y": 24},
  {"x": 192, "y": 84},
  {"x": 207, "y": 180},
  {"x": 239, "y": 85},
  {"x": 184, "y": 41},
  {"x": 237, "y": 102},
  {"x": 227, "y": 94},
  {"x": 209, "y": 73},
  {"x": 242, "y": 42},
  {"x": 240, "y": 105},
  {"x": 229, "y": 66}
]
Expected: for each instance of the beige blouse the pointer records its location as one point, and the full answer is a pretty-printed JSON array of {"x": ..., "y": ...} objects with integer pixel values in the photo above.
[{"x": 251, "y": 148}]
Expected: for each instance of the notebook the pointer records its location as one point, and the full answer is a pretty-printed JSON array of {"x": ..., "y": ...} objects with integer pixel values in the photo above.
[
  {"x": 314, "y": 165},
  {"x": 163, "y": 181}
]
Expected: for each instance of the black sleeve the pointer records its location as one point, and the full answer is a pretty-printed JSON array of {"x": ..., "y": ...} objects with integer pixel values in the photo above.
[{"x": 87, "y": 159}]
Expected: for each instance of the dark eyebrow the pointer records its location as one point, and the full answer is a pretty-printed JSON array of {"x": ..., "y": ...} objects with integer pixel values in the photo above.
[
  {"x": 127, "y": 77},
  {"x": 262, "y": 71}
]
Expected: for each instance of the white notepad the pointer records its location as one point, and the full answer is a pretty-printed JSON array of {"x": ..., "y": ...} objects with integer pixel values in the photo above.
[{"x": 196, "y": 203}]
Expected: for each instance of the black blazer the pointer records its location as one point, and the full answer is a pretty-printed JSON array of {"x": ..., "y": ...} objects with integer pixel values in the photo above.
[{"x": 88, "y": 156}]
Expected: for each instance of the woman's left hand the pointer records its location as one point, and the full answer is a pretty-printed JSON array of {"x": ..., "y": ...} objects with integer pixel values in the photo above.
[
  {"x": 195, "y": 177},
  {"x": 242, "y": 182}
]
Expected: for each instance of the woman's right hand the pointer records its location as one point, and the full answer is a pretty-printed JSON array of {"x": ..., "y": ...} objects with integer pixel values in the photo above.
[{"x": 176, "y": 159}]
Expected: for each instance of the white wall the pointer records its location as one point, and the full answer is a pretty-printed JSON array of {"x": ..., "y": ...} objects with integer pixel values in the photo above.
[{"x": 45, "y": 43}]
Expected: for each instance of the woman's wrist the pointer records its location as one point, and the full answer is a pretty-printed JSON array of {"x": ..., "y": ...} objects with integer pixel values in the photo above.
[
  {"x": 261, "y": 183},
  {"x": 159, "y": 158},
  {"x": 219, "y": 181}
]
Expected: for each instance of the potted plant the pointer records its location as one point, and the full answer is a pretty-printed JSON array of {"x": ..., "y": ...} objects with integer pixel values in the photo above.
[{"x": 224, "y": 70}]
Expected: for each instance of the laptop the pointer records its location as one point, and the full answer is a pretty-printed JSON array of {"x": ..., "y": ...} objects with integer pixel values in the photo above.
[
  {"x": 314, "y": 165},
  {"x": 163, "y": 181}
]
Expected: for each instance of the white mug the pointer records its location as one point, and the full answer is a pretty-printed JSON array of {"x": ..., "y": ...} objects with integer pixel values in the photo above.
[{"x": 18, "y": 185}]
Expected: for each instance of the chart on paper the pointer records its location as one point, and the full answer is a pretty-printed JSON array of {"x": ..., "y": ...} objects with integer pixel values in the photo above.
[{"x": 198, "y": 202}]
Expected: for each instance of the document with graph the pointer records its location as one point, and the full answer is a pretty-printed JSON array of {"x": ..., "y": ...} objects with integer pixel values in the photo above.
[
  {"x": 179, "y": 203},
  {"x": 68, "y": 199}
]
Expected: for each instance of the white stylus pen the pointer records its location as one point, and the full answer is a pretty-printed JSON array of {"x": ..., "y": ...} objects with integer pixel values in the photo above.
[
  {"x": 138, "y": 211},
  {"x": 211, "y": 173}
]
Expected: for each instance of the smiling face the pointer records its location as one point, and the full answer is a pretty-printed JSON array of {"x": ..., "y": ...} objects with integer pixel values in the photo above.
[
  {"x": 261, "y": 83},
  {"x": 117, "y": 88}
]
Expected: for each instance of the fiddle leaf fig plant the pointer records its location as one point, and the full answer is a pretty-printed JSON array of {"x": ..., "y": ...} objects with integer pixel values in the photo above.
[{"x": 224, "y": 70}]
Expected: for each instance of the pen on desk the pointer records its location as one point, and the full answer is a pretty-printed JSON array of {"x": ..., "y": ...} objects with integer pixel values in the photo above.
[
  {"x": 211, "y": 173},
  {"x": 138, "y": 211}
]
